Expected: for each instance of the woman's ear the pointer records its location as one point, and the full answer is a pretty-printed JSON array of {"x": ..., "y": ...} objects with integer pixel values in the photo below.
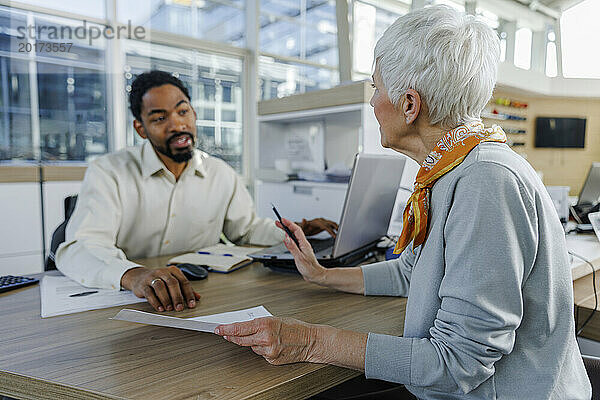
[{"x": 411, "y": 105}]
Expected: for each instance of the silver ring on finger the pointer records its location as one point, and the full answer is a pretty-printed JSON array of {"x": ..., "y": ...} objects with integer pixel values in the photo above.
[{"x": 154, "y": 281}]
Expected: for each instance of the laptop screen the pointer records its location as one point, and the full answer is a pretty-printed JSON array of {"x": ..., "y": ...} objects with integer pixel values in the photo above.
[
  {"x": 590, "y": 192},
  {"x": 369, "y": 201}
]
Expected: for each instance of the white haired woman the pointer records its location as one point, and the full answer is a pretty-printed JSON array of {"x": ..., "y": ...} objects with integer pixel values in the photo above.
[{"x": 483, "y": 257}]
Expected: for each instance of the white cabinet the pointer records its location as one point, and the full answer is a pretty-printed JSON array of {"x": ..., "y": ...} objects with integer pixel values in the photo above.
[
  {"x": 22, "y": 264},
  {"x": 21, "y": 228},
  {"x": 300, "y": 199},
  {"x": 347, "y": 124}
]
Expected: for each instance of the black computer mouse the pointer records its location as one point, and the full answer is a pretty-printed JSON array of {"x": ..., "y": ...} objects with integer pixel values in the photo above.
[{"x": 193, "y": 272}]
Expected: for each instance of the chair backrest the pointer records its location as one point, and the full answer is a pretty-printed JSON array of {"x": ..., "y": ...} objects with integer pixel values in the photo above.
[
  {"x": 59, "y": 233},
  {"x": 592, "y": 366}
]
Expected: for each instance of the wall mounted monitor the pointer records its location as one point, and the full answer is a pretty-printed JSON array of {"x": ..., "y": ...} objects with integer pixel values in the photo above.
[{"x": 560, "y": 132}]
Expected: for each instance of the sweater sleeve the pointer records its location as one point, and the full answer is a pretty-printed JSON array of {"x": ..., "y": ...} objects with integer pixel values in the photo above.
[
  {"x": 389, "y": 278},
  {"x": 490, "y": 242}
]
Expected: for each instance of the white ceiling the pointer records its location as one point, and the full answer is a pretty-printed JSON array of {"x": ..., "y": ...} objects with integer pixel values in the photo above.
[
  {"x": 548, "y": 6},
  {"x": 558, "y": 5}
]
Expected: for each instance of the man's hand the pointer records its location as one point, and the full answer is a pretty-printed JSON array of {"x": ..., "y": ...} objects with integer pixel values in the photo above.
[
  {"x": 164, "y": 288},
  {"x": 278, "y": 340},
  {"x": 304, "y": 257},
  {"x": 317, "y": 225}
]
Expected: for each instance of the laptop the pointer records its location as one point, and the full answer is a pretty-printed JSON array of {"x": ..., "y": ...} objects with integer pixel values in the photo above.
[
  {"x": 590, "y": 192},
  {"x": 589, "y": 198},
  {"x": 365, "y": 216}
]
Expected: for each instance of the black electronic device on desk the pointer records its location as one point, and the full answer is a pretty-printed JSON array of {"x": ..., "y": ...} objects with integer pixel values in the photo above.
[
  {"x": 10, "y": 282},
  {"x": 589, "y": 199},
  {"x": 193, "y": 272}
]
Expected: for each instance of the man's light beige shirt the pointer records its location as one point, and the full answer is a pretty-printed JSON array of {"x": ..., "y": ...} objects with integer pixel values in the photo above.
[{"x": 131, "y": 206}]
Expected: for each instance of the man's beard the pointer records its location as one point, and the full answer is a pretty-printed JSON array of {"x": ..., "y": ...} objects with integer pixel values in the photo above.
[{"x": 179, "y": 157}]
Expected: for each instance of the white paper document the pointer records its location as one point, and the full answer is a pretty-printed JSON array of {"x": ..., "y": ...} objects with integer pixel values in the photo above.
[
  {"x": 57, "y": 296},
  {"x": 206, "y": 323}
]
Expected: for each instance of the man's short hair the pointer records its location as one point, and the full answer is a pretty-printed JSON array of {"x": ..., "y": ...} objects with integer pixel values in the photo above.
[
  {"x": 147, "y": 81},
  {"x": 449, "y": 57}
]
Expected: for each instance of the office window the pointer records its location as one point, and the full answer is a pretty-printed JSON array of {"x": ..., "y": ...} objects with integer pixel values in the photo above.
[
  {"x": 370, "y": 21},
  {"x": 65, "y": 118},
  {"x": 298, "y": 31},
  {"x": 282, "y": 78},
  {"x": 579, "y": 33},
  {"x": 72, "y": 108},
  {"x": 215, "y": 84},
  {"x": 214, "y": 20},
  {"x": 523, "y": 38},
  {"x": 15, "y": 110},
  {"x": 91, "y": 8},
  {"x": 72, "y": 96},
  {"x": 306, "y": 30}
]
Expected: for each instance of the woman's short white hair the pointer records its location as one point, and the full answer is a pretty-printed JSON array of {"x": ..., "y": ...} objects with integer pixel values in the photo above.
[{"x": 449, "y": 57}]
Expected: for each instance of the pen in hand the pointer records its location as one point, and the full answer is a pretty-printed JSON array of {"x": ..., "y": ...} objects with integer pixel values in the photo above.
[
  {"x": 83, "y": 293},
  {"x": 290, "y": 234}
]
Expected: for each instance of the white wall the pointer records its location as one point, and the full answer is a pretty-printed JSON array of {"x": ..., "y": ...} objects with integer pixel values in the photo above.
[{"x": 537, "y": 83}]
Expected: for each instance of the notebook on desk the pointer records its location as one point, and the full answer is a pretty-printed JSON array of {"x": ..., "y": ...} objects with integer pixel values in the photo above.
[
  {"x": 218, "y": 258},
  {"x": 365, "y": 215}
]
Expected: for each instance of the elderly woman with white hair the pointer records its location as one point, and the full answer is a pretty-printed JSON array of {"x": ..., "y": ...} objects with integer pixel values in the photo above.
[{"x": 483, "y": 256}]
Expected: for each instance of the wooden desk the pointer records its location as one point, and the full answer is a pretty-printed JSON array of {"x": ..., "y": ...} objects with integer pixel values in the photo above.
[
  {"x": 585, "y": 245},
  {"x": 88, "y": 356},
  {"x": 583, "y": 292}
]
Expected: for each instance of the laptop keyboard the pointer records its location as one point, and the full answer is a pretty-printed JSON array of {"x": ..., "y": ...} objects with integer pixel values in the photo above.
[
  {"x": 321, "y": 244},
  {"x": 316, "y": 244}
]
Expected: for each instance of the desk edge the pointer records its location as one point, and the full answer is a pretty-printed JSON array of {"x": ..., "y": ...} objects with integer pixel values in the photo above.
[{"x": 45, "y": 389}]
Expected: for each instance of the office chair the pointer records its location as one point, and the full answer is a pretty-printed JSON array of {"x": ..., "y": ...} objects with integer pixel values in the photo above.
[
  {"x": 592, "y": 366},
  {"x": 59, "y": 233}
]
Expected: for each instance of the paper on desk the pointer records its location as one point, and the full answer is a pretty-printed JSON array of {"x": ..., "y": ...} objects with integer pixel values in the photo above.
[
  {"x": 55, "y": 292},
  {"x": 206, "y": 323}
]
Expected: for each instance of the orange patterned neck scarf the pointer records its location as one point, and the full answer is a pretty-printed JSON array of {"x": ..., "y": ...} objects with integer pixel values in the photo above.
[{"x": 449, "y": 152}]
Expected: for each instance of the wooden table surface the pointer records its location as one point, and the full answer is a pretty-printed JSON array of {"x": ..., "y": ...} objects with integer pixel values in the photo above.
[
  {"x": 88, "y": 356},
  {"x": 583, "y": 292},
  {"x": 588, "y": 247}
]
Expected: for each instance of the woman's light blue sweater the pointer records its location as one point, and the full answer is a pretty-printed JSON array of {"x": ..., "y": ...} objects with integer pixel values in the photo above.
[{"x": 490, "y": 300}]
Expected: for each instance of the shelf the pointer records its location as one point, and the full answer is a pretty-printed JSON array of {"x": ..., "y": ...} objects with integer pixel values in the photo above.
[
  {"x": 304, "y": 115},
  {"x": 507, "y": 102},
  {"x": 503, "y": 116},
  {"x": 354, "y": 93},
  {"x": 513, "y": 131}
]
